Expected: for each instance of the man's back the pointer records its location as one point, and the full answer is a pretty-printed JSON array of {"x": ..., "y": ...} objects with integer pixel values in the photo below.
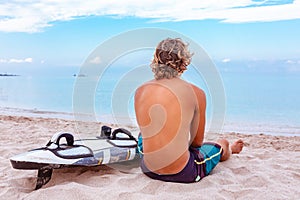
[
  {"x": 171, "y": 116},
  {"x": 172, "y": 108}
]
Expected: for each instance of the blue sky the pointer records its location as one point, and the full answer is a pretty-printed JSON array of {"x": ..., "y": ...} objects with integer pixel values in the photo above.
[{"x": 62, "y": 33}]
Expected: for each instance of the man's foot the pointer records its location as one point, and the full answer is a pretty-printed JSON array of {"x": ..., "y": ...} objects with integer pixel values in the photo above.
[{"x": 237, "y": 146}]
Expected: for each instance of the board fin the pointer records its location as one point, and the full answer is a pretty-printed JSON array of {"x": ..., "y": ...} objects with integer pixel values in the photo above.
[{"x": 44, "y": 176}]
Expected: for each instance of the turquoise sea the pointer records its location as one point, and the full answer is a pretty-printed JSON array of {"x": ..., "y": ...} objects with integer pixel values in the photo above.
[{"x": 256, "y": 102}]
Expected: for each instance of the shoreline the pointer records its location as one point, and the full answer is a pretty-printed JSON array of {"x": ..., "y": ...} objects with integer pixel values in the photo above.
[{"x": 228, "y": 127}]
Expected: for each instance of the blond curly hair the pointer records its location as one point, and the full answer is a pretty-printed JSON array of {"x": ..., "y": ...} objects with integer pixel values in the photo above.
[{"x": 171, "y": 58}]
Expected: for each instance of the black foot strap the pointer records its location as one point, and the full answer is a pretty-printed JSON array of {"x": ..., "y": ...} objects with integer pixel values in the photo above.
[{"x": 44, "y": 176}]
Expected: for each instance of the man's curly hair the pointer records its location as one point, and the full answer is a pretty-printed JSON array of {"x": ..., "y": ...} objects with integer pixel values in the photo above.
[{"x": 171, "y": 58}]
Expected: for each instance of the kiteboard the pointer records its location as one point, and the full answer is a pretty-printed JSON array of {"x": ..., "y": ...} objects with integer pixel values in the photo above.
[{"x": 110, "y": 147}]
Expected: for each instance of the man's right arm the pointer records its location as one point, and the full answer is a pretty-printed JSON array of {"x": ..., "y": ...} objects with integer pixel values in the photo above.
[{"x": 198, "y": 122}]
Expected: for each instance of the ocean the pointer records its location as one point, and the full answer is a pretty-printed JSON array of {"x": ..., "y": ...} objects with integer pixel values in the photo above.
[{"x": 256, "y": 102}]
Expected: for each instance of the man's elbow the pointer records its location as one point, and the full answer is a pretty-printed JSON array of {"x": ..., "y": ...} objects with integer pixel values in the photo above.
[{"x": 196, "y": 144}]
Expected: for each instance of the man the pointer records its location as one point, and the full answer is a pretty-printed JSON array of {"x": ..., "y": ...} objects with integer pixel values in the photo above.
[{"x": 171, "y": 116}]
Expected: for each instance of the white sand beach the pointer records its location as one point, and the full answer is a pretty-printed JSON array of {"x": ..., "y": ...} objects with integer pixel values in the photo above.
[{"x": 267, "y": 168}]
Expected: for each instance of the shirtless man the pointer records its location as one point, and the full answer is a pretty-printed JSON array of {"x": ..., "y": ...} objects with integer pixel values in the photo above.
[{"x": 171, "y": 116}]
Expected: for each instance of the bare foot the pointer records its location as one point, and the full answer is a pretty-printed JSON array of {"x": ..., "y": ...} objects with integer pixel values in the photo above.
[{"x": 237, "y": 146}]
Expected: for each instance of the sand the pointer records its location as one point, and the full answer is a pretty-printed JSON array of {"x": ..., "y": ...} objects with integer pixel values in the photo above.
[{"x": 267, "y": 168}]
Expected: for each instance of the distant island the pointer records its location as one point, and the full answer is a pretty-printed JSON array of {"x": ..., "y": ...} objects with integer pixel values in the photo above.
[{"x": 9, "y": 74}]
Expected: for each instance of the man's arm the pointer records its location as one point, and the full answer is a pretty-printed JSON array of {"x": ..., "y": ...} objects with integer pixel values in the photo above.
[
  {"x": 137, "y": 105},
  {"x": 198, "y": 122}
]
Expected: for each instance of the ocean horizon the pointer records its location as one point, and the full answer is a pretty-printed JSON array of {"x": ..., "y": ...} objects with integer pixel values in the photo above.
[{"x": 256, "y": 102}]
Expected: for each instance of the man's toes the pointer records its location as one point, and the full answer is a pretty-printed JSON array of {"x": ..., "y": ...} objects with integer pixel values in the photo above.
[{"x": 237, "y": 146}]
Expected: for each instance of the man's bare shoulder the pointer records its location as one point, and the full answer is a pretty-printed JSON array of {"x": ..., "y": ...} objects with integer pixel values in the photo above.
[
  {"x": 146, "y": 84},
  {"x": 152, "y": 85},
  {"x": 145, "y": 88},
  {"x": 201, "y": 97},
  {"x": 199, "y": 92}
]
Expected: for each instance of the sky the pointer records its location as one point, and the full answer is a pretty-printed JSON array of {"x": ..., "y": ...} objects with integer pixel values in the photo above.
[{"x": 45, "y": 34}]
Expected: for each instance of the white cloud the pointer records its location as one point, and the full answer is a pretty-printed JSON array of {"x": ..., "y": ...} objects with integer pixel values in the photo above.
[
  {"x": 290, "y": 62},
  {"x": 29, "y": 60},
  {"x": 226, "y": 60},
  {"x": 15, "y": 60},
  {"x": 95, "y": 60},
  {"x": 35, "y": 15}
]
